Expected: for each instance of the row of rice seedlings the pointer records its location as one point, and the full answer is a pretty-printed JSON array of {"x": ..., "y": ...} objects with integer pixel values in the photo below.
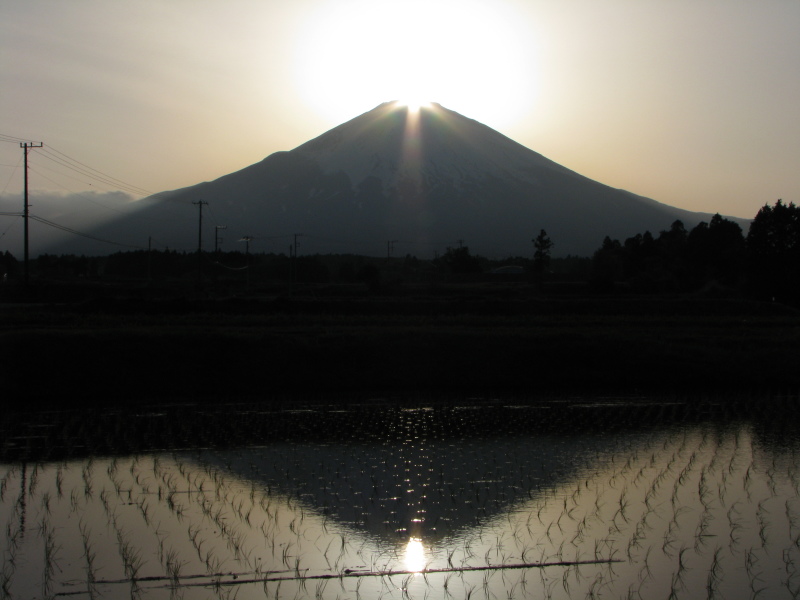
[
  {"x": 90, "y": 556},
  {"x": 50, "y": 554},
  {"x": 13, "y": 538},
  {"x": 712, "y": 521}
]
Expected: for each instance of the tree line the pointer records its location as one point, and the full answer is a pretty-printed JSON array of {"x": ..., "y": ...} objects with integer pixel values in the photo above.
[{"x": 763, "y": 263}]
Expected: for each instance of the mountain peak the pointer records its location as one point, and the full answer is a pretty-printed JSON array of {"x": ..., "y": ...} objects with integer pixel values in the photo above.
[{"x": 391, "y": 139}]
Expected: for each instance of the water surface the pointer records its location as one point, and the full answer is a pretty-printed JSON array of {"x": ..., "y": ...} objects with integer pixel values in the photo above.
[{"x": 553, "y": 500}]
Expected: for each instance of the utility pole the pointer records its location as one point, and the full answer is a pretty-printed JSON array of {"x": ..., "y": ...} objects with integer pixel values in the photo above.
[
  {"x": 390, "y": 248},
  {"x": 25, "y": 147},
  {"x": 200, "y": 204},
  {"x": 246, "y": 239},
  {"x": 217, "y": 239},
  {"x": 294, "y": 257}
]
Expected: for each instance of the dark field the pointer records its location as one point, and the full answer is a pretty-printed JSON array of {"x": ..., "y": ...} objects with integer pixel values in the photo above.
[{"x": 470, "y": 341}]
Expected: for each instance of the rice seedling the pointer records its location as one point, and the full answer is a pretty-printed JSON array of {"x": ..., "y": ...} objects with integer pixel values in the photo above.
[{"x": 50, "y": 550}]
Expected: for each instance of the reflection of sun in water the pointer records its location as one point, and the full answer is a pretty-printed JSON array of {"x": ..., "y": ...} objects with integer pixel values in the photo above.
[
  {"x": 414, "y": 558},
  {"x": 472, "y": 56}
]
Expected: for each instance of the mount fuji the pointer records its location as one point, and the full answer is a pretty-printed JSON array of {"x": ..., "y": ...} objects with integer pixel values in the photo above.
[{"x": 421, "y": 181}]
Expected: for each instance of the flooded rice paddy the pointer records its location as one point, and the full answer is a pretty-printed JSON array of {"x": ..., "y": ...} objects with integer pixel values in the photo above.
[{"x": 655, "y": 499}]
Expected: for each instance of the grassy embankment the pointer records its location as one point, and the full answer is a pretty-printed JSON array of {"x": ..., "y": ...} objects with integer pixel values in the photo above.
[{"x": 459, "y": 343}]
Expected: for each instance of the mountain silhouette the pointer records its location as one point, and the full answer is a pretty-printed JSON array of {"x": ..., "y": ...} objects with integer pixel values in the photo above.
[{"x": 422, "y": 181}]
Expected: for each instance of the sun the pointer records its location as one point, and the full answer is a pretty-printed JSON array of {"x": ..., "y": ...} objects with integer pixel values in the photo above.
[
  {"x": 471, "y": 56},
  {"x": 413, "y": 104}
]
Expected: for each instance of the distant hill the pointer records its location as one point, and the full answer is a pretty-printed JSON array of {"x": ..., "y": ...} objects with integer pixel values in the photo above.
[{"x": 417, "y": 182}]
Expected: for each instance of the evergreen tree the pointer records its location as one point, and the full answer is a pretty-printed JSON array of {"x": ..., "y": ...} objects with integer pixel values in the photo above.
[
  {"x": 773, "y": 252},
  {"x": 541, "y": 255},
  {"x": 459, "y": 260}
]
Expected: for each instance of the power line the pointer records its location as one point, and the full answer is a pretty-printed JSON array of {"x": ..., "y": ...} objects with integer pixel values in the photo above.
[
  {"x": 63, "y": 159},
  {"x": 61, "y": 174},
  {"x": 92, "y": 173},
  {"x": 2, "y": 235},
  {"x": 212, "y": 216},
  {"x": 10, "y": 177},
  {"x": 81, "y": 234},
  {"x": 81, "y": 195},
  {"x": 104, "y": 175},
  {"x": 11, "y": 139}
]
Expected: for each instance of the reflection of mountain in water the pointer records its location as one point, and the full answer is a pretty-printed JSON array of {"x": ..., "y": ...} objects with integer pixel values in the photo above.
[{"x": 411, "y": 484}]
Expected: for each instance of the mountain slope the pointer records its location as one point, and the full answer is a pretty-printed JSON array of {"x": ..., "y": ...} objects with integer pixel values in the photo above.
[{"x": 425, "y": 181}]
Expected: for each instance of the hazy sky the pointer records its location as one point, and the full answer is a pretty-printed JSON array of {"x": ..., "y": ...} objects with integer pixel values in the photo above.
[{"x": 694, "y": 103}]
